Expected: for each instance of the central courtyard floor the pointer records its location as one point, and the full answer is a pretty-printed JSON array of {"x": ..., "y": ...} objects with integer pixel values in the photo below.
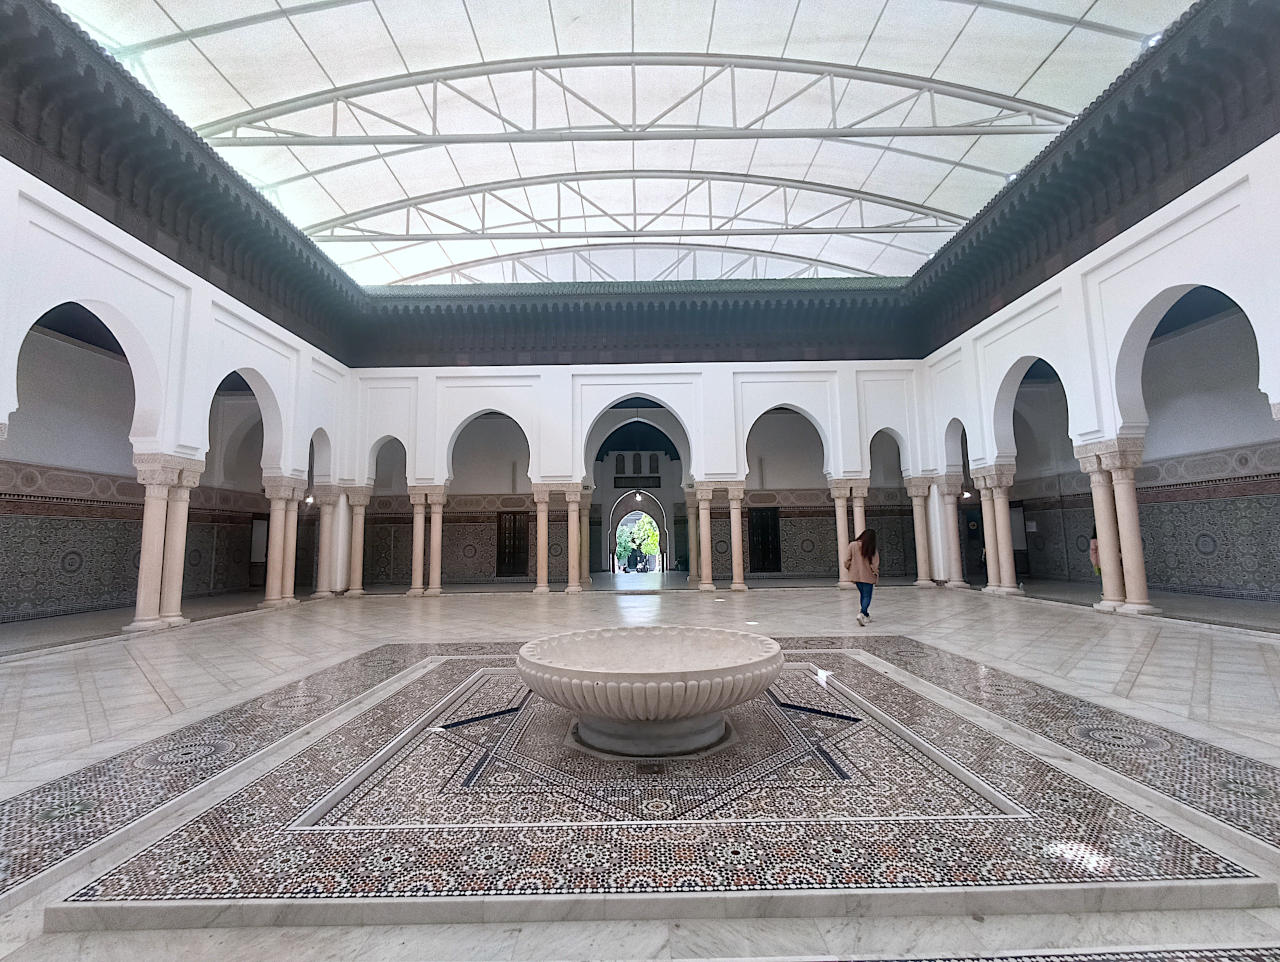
[{"x": 966, "y": 776}]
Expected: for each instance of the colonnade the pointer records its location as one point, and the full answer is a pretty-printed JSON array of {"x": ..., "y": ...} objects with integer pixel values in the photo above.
[{"x": 168, "y": 481}]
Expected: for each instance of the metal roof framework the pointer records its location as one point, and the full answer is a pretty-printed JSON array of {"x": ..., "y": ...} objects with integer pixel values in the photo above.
[{"x": 812, "y": 137}]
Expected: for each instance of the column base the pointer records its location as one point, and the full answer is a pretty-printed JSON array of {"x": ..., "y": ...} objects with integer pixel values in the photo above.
[
  {"x": 542, "y": 590},
  {"x": 738, "y": 587},
  {"x": 318, "y": 595},
  {"x": 353, "y": 593},
  {"x": 1006, "y": 590},
  {"x": 1105, "y": 605},
  {"x": 924, "y": 583},
  {"x": 991, "y": 589},
  {"x": 174, "y": 621},
  {"x": 415, "y": 592},
  {"x": 432, "y": 592},
  {"x": 1138, "y": 609},
  {"x": 147, "y": 624},
  {"x": 693, "y": 580},
  {"x": 573, "y": 590},
  {"x": 957, "y": 584},
  {"x": 706, "y": 587},
  {"x": 290, "y": 602},
  {"x": 273, "y": 603},
  {"x": 845, "y": 585}
]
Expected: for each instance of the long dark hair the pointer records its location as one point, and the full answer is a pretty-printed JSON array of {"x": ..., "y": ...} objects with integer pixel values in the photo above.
[{"x": 867, "y": 543}]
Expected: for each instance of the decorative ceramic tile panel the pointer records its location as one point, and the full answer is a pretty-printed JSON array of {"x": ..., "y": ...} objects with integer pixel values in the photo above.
[
  {"x": 45, "y": 825},
  {"x": 576, "y": 828}
]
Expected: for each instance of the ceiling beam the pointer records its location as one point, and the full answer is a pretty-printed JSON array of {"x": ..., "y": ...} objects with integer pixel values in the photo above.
[
  {"x": 124, "y": 51},
  {"x": 578, "y": 135},
  {"x": 535, "y": 65},
  {"x": 600, "y": 248},
  {"x": 717, "y": 176},
  {"x": 379, "y": 238}
]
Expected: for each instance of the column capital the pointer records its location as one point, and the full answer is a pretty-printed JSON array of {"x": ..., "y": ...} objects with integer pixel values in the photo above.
[
  {"x": 736, "y": 489},
  {"x": 542, "y": 492},
  {"x": 917, "y": 487},
  {"x": 839, "y": 488},
  {"x": 1111, "y": 454},
  {"x": 704, "y": 490},
  {"x": 283, "y": 489},
  {"x": 950, "y": 485},
  {"x": 995, "y": 475},
  {"x": 428, "y": 493},
  {"x": 326, "y": 494},
  {"x": 156, "y": 468},
  {"x": 573, "y": 495},
  {"x": 358, "y": 495}
]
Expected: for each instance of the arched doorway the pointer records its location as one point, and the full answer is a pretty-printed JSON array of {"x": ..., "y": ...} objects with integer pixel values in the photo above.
[
  {"x": 70, "y": 433},
  {"x": 1205, "y": 529},
  {"x": 638, "y": 465},
  {"x": 889, "y": 507}
]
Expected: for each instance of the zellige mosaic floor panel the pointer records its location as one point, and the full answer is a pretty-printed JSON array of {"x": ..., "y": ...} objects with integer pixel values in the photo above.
[
  {"x": 464, "y": 733},
  {"x": 1238, "y": 790}
]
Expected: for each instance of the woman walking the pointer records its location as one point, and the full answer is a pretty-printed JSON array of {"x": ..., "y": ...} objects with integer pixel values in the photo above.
[{"x": 864, "y": 568}]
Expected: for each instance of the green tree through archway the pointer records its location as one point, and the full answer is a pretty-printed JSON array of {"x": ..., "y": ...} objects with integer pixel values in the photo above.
[{"x": 637, "y": 532}]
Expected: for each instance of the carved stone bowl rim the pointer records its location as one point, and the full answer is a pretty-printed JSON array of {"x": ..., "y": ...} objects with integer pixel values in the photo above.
[{"x": 742, "y": 651}]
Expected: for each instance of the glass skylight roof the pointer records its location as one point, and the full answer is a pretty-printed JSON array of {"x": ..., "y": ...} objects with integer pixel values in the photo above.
[{"x": 464, "y": 141}]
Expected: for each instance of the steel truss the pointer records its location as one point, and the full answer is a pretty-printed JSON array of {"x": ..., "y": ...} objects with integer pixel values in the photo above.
[
  {"x": 1012, "y": 116},
  {"x": 747, "y": 265},
  {"x": 846, "y": 215}
]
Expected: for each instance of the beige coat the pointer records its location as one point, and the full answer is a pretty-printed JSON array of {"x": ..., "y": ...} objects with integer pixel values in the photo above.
[{"x": 859, "y": 568}]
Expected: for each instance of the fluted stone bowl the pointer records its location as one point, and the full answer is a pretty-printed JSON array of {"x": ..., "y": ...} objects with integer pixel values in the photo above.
[{"x": 650, "y": 691}]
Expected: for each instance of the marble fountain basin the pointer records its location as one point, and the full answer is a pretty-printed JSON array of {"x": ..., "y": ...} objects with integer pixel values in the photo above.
[{"x": 652, "y": 691}]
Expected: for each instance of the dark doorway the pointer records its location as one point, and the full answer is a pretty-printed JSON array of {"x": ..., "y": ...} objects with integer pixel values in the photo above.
[
  {"x": 513, "y": 544},
  {"x": 764, "y": 540}
]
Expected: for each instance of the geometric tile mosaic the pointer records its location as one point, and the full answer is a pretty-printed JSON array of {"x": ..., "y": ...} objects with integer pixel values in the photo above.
[
  {"x": 390, "y": 804},
  {"x": 1270, "y": 954},
  {"x": 1238, "y": 790},
  {"x": 45, "y": 825}
]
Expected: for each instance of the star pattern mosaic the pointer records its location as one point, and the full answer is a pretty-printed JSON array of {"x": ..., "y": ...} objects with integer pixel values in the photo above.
[
  {"x": 1233, "y": 788},
  {"x": 267, "y": 841},
  {"x": 1265, "y": 954},
  {"x": 43, "y": 826}
]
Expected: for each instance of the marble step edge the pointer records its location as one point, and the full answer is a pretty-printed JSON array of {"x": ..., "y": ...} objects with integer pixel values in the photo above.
[
  {"x": 134, "y": 915},
  {"x": 101, "y": 854}
]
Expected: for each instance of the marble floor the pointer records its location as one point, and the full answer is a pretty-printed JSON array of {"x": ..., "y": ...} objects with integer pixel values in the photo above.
[{"x": 115, "y": 755}]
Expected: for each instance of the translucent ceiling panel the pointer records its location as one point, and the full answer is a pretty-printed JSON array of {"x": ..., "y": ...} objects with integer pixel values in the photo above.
[{"x": 519, "y": 140}]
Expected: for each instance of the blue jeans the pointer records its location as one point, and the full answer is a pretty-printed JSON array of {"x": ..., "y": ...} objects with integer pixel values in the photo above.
[{"x": 864, "y": 595}]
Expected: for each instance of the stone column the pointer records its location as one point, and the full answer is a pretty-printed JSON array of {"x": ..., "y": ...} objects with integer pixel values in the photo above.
[
  {"x": 289, "y": 578},
  {"x": 279, "y": 492},
  {"x": 358, "y": 498},
  {"x": 175, "y": 545},
  {"x": 573, "y": 502},
  {"x": 156, "y": 473},
  {"x": 691, "y": 519},
  {"x": 918, "y": 489},
  {"x": 436, "y": 495},
  {"x": 418, "y": 499},
  {"x": 703, "y": 491},
  {"x": 1122, "y": 459},
  {"x": 326, "y": 496},
  {"x": 990, "y": 546},
  {"x": 541, "y": 496},
  {"x": 950, "y": 487},
  {"x": 840, "y": 495},
  {"x": 584, "y": 538},
  {"x": 859, "y": 488},
  {"x": 1001, "y": 481},
  {"x": 1104, "y": 519},
  {"x": 736, "y": 491}
]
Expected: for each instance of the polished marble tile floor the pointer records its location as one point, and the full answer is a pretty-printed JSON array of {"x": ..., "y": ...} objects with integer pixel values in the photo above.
[{"x": 1195, "y": 719}]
